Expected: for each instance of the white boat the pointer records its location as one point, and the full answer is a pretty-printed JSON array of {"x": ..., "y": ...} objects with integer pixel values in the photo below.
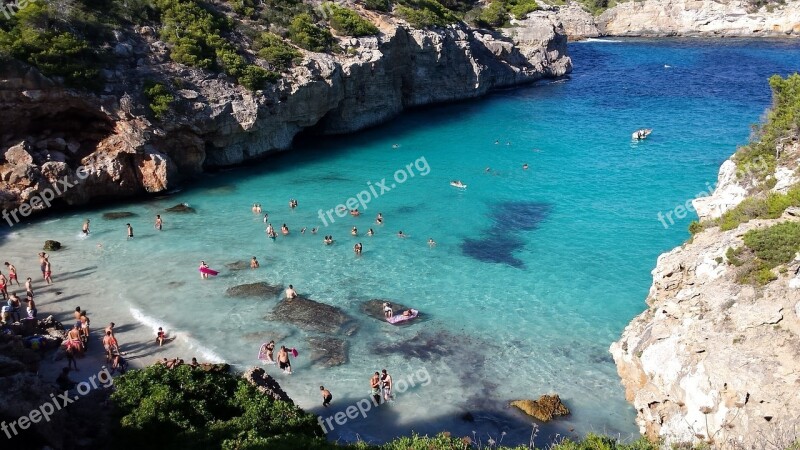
[{"x": 641, "y": 134}]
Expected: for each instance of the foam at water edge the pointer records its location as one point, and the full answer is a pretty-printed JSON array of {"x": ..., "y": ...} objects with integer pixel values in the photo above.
[{"x": 204, "y": 354}]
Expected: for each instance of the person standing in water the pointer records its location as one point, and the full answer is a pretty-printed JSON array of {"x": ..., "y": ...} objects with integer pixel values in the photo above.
[
  {"x": 386, "y": 381},
  {"x": 48, "y": 271},
  {"x": 12, "y": 274},
  {"x": 85, "y": 228},
  {"x": 42, "y": 259},
  {"x": 326, "y": 396},
  {"x": 203, "y": 265},
  {"x": 130, "y": 230},
  {"x": 357, "y": 249},
  {"x": 159, "y": 223},
  {"x": 290, "y": 292},
  {"x": 283, "y": 361},
  {"x": 254, "y": 263},
  {"x": 375, "y": 388}
]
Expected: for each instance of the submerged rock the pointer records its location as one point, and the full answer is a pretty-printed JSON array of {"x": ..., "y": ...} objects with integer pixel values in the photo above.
[
  {"x": 117, "y": 215},
  {"x": 315, "y": 316},
  {"x": 374, "y": 308},
  {"x": 327, "y": 351},
  {"x": 238, "y": 265},
  {"x": 544, "y": 409},
  {"x": 266, "y": 384},
  {"x": 259, "y": 289},
  {"x": 51, "y": 246},
  {"x": 181, "y": 208}
]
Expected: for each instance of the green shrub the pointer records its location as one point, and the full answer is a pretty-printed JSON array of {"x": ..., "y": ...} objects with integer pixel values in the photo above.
[
  {"x": 770, "y": 206},
  {"x": 245, "y": 8},
  {"x": 348, "y": 22},
  {"x": 160, "y": 99},
  {"x": 775, "y": 245},
  {"x": 308, "y": 35},
  {"x": 695, "y": 227},
  {"x": 732, "y": 255},
  {"x": 378, "y": 5},
  {"x": 426, "y": 14},
  {"x": 273, "y": 49},
  {"x": 494, "y": 15},
  {"x": 520, "y": 8},
  {"x": 255, "y": 78},
  {"x": 782, "y": 120},
  {"x": 278, "y": 14},
  {"x": 40, "y": 36}
]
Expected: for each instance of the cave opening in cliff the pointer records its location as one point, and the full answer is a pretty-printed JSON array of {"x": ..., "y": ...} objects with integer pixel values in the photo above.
[{"x": 80, "y": 129}]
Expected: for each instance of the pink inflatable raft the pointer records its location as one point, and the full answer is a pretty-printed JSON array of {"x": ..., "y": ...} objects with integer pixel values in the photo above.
[{"x": 400, "y": 318}]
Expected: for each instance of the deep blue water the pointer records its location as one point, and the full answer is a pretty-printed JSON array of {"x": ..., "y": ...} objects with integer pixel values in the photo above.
[{"x": 534, "y": 274}]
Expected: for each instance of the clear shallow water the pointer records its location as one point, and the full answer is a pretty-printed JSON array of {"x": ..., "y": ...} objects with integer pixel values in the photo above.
[{"x": 535, "y": 273}]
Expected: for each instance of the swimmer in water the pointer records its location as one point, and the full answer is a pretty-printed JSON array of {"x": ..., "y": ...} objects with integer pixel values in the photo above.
[
  {"x": 314, "y": 230},
  {"x": 379, "y": 219},
  {"x": 357, "y": 249},
  {"x": 354, "y": 232},
  {"x": 284, "y": 229},
  {"x": 303, "y": 230},
  {"x": 203, "y": 265},
  {"x": 525, "y": 166},
  {"x": 130, "y": 230},
  {"x": 431, "y": 242},
  {"x": 85, "y": 228},
  {"x": 370, "y": 232},
  {"x": 400, "y": 234},
  {"x": 159, "y": 222},
  {"x": 254, "y": 263},
  {"x": 266, "y": 217}
]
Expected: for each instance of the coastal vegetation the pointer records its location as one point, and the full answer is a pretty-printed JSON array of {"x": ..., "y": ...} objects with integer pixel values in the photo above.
[
  {"x": 191, "y": 408},
  {"x": 348, "y": 22},
  {"x": 781, "y": 125},
  {"x": 426, "y": 13},
  {"x": 159, "y": 98}
]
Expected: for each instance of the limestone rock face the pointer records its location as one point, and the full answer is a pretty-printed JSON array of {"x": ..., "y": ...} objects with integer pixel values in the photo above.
[
  {"x": 109, "y": 146},
  {"x": 699, "y": 17},
  {"x": 711, "y": 359},
  {"x": 680, "y": 18}
]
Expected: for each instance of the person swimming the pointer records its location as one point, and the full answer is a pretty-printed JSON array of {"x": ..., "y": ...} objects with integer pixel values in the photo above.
[
  {"x": 303, "y": 230},
  {"x": 525, "y": 166},
  {"x": 266, "y": 217},
  {"x": 314, "y": 230},
  {"x": 284, "y": 229},
  {"x": 357, "y": 249},
  {"x": 354, "y": 213},
  {"x": 401, "y": 235},
  {"x": 354, "y": 232},
  {"x": 254, "y": 263},
  {"x": 379, "y": 219},
  {"x": 431, "y": 242},
  {"x": 370, "y": 232}
]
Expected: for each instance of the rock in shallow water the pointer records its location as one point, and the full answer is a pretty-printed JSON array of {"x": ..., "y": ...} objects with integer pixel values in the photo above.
[
  {"x": 544, "y": 409},
  {"x": 266, "y": 384},
  {"x": 259, "y": 289},
  {"x": 374, "y": 308},
  {"x": 51, "y": 246},
  {"x": 117, "y": 215},
  {"x": 315, "y": 316},
  {"x": 181, "y": 208},
  {"x": 327, "y": 351}
]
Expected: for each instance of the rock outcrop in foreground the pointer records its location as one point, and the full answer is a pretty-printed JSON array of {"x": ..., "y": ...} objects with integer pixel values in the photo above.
[
  {"x": 732, "y": 18},
  {"x": 48, "y": 132},
  {"x": 712, "y": 359}
]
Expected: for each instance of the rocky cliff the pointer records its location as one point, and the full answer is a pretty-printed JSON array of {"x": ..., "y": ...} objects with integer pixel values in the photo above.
[
  {"x": 713, "y": 359},
  {"x": 733, "y": 18},
  {"x": 48, "y": 132}
]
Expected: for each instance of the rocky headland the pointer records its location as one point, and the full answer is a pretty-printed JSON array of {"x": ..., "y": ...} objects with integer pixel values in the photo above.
[
  {"x": 715, "y": 358},
  {"x": 658, "y": 18},
  {"x": 48, "y": 131}
]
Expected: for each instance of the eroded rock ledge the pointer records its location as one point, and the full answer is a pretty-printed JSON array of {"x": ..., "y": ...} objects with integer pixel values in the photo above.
[{"x": 48, "y": 132}]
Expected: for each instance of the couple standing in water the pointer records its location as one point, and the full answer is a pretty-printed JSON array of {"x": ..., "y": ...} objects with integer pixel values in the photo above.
[{"x": 381, "y": 384}]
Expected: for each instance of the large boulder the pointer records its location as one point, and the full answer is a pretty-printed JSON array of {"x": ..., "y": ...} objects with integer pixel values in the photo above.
[
  {"x": 259, "y": 289},
  {"x": 544, "y": 409},
  {"x": 19, "y": 154}
]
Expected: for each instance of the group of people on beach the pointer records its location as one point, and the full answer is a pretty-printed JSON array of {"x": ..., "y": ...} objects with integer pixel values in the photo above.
[
  {"x": 158, "y": 225},
  {"x": 10, "y": 311}
]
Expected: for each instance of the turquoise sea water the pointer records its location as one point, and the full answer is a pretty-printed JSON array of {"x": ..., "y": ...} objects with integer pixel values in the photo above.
[{"x": 535, "y": 272}]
